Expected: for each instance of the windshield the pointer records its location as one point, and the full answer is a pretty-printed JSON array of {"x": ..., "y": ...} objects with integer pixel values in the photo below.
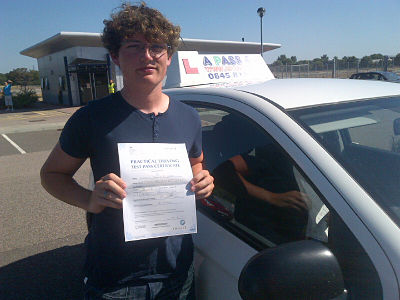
[
  {"x": 392, "y": 76},
  {"x": 364, "y": 136}
]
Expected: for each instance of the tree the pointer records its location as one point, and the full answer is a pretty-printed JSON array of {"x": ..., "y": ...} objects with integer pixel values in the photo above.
[
  {"x": 396, "y": 60},
  {"x": 303, "y": 62},
  {"x": 35, "y": 77},
  {"x": 325, "y": 59},
  {"x": 277, "y": 63},
  {"x": 366, "y": 61},
  {"x": 293, "y": 59},
  {"x": 283, "y": 60},
  {"x": 376, "y": 56},
  {"x": 24, "y": 77},
  {"x": 317, "y": 64},
  {"x": 19, "y": 76},
  {"x": 352, "y": 59},
  {"x": 3, "y": 78}
]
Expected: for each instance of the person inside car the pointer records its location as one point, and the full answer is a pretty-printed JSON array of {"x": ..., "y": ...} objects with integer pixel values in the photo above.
[{"x": 267, "y": 197}]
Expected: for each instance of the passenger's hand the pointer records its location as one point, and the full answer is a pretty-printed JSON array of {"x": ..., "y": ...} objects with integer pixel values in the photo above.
[
  {"x": 292, "y": 199},
  {"x": 202, "y": 184},
  {"x": 109, "y": 191}
]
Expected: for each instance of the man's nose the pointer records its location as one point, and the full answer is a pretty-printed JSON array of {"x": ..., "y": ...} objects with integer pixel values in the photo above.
[{"x": 146, "y": 53}]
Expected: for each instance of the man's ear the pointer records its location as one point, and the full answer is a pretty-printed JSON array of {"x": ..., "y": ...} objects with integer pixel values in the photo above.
[
  {"x": 169, "y": 60},
  {"x": 115, "y": 59}
]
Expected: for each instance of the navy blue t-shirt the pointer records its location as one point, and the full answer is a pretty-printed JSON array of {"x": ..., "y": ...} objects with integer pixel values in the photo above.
[{"x": 94, "y": 132}]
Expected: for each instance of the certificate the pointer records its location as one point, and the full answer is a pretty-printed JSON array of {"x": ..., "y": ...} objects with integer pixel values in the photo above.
[{"x": 159, "y": 201}]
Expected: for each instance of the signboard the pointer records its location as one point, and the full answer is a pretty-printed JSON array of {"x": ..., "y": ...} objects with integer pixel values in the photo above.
[{"x": 188, "y": 68}]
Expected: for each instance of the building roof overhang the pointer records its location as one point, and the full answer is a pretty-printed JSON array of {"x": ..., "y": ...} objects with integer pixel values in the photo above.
[{"x": 64, "y": 40}]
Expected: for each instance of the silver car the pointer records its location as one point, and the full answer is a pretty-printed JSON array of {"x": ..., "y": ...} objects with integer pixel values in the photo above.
[{"x": 307, "y": 201}]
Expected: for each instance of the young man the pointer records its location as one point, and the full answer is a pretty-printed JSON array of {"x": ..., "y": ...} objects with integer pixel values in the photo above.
[
  {"x": 141, "y": 42},
  {"x": 8, "y": 96}
]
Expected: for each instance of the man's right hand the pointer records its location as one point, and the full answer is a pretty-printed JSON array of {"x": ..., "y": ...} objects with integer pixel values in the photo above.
[
  {"x": 293, "y": 199},
  {"x": 109, "y": 191}
]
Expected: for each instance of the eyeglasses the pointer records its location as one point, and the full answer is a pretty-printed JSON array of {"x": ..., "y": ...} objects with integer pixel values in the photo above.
[{"x": 155, "y": 50}]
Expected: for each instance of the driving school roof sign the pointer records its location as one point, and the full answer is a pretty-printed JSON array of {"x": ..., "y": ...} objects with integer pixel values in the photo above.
[{"x": 188, "y": 68}]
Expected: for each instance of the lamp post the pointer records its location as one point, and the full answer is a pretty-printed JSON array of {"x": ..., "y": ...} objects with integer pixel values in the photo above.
[{"x": 261, "y": 13}]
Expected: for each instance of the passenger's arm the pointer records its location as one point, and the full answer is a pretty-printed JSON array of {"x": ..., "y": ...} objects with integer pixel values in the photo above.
[
  {"x": 294, "y": 199},
  {"x": 57, "y": 178}
]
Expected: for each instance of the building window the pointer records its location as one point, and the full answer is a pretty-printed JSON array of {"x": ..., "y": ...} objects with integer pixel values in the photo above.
[
  {"x": 46, "y": 84},
  {"x": 62, "y": 84}
]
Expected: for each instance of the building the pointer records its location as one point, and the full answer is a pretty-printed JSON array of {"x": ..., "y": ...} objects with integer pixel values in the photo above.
[{"x": 75, "y": 68}]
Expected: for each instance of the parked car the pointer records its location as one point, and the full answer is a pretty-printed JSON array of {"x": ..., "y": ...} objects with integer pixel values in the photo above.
[
  {"x": 307, "y": 173},
  {"x": 378, "y": 75},
  {"x": 335, "y": 141}
]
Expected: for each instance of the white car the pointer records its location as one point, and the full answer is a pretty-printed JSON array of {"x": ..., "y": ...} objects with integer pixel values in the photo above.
[{"x": 335, "y": 141}]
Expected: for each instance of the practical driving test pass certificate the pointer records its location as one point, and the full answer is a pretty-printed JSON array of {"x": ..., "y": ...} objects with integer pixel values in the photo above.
[{"x": 159, "y": 201}]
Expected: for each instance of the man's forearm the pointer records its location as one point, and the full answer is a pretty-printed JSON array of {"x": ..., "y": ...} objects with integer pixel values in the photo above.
[
  {"x": 256, "y": 191},
  {"x": 66, "y": 189}
]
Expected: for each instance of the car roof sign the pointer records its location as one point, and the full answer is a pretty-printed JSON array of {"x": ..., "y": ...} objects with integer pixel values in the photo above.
[{"x": 189, "y": 68}]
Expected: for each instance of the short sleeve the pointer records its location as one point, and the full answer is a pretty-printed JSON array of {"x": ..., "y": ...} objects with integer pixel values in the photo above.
[
  {"x": 75, "y": 137},
  {"x": 196, "y": 148}
]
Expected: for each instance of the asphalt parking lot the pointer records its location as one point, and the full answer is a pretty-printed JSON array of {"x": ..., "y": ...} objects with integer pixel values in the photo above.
[{"x": 41, "y": 238}]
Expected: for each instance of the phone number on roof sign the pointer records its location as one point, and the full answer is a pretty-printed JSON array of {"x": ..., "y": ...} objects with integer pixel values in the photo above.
[{"x": 225, "y": 75}]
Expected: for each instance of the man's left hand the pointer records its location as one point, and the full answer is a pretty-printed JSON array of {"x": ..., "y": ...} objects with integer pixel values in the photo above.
[{"x": 202, "y": 184}]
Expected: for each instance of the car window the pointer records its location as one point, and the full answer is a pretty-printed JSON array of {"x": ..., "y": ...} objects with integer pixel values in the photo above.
[
  {"x": 250, "y": 168},
  {"x": 392, "y": 76},
  {"x": 380, "y": 127},
  {"x": 364, "y": 136},
  {"x": 257, "y": 186},
  {"x": 375, "y": 76}
]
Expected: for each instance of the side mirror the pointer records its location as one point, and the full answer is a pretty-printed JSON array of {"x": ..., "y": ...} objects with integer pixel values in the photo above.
[
  {"x": 396, "y": 126},
  {"x": 298, "y": 270}
]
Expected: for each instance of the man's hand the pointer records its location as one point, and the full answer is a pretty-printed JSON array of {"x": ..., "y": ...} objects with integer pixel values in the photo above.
[
  {"x": 202, "y": 184},
  {"x": 292, "y": 199},
  {"x": 109, "y": 191}
]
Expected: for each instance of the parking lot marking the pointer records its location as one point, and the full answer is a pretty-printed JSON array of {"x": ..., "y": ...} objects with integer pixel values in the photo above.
[
  {"x": 14, "y": 144},
  {"x": 33, "y": 115}
]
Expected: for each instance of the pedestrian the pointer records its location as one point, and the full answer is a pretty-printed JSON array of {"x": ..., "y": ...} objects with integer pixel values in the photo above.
[
  {"x": 140, "y": 41},
  {"x": 8, "y": 96},
  {"x": 2, "y": 91},
  {"x": 111, "y": 87}
]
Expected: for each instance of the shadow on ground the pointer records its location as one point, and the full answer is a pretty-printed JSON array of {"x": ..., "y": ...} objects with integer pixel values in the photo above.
[
  {"x": 55, "y": 274},
  {"x": 37, "y": 106}
]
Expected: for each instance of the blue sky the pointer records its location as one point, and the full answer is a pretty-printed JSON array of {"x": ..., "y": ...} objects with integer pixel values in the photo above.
[{"x": 304, "y": 28}]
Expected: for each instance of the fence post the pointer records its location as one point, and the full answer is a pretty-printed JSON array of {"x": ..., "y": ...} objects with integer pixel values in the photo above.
[
  {"x": 385, "y": 63},
  {"x": 286, "y": 70},
  {"x": 334, "y": 68}
]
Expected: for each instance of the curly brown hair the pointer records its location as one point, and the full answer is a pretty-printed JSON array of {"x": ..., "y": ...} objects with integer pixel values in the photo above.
[{"x": 139, "y": 19}]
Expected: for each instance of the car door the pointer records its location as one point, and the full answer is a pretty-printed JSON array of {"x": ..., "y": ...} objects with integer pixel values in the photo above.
[{"x": 234, "y": 223}]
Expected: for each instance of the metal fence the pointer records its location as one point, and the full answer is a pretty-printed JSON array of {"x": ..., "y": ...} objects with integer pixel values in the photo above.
[{"x": 331, "y": 69}]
